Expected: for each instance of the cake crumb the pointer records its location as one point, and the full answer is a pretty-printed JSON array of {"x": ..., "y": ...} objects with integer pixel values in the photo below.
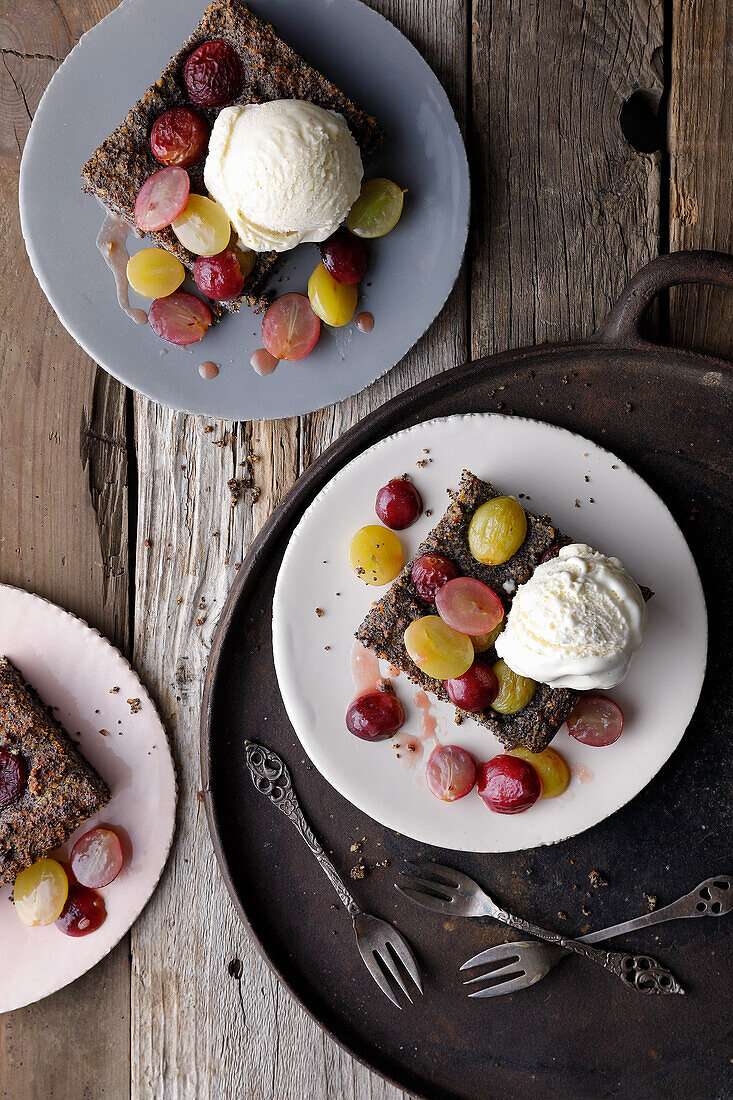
[
  {"x": 319, "y": 612},
  {"x": 104, "y": 733},
  {"x": 114, "y": 691},
  {"x": 135, "y": 705},
  {"x": 651, "y": 900},
  {"x": 597, "y": 879},
  {"x": 358, "y": 871},
  {"x": 562, "y": 915}
]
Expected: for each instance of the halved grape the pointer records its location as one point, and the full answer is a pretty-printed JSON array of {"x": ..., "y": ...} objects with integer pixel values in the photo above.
[
  {"x": 497, "y": 530},
  {"x": 96, "y": 858},
  {"x": 375, "y": 716},
  {"x": 429, "y": 573},
  {"x": 377, "y": 210},
  {"x": 469, "y": 606},
  {"x": 515, "y": 691},
  {"x": 40, "y": 892},
  {"x": 596, "y": 720},
  {"x": 203, "y": 225},
  {"x": 375, "y": 554},
  {"x": 482, "y": 642},
  {"x": 161, "y": 198},
  {"x": 437, "y": 649},
  {"x": 334, "y": 302},
  {"x": 552, "y": 767},
  {"x": 290, "y": 328},
  {"x": 508, "y": 785},
  {"x": 398, "y": 504},
  {"x": 450, "y": 772},
  {"x": 475, "y": 690},
  {"x": 155, "y": 273},
  {"x": 181, "y": 318},
  {"x": 83, "y": 913}
]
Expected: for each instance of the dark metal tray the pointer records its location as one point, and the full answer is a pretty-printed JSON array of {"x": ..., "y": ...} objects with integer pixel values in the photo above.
[{"x": 668, "y": 413}]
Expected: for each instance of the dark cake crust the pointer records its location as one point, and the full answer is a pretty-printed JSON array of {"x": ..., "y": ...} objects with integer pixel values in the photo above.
[
  {"x": 383, "y": 629},
  {"x": 63, "y": 790},
  {"x": 117, "y": 170}
]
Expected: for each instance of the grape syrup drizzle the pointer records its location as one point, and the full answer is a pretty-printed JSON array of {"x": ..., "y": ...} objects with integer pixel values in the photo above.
[{"x": 112, "y": 244}]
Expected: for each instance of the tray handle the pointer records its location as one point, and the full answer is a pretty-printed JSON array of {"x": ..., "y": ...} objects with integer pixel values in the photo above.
[{"x": 623, "y": 324}]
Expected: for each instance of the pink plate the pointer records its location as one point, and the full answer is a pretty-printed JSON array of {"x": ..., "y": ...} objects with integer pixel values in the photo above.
[{"x": 74, "y": 669}]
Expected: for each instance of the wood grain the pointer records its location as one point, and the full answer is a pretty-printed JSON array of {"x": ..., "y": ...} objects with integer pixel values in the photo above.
[
  {"x": 701, "y": 156},
  {"x": 63, "y": 534}
]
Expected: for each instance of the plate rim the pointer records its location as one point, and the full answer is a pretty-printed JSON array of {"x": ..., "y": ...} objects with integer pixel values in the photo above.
[
  {"x": 100, "y": 637},
  {"x": 34, "y": 256}
]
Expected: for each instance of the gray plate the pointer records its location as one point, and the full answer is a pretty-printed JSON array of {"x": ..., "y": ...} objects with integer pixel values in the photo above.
[{"x": 412, "y": 271}]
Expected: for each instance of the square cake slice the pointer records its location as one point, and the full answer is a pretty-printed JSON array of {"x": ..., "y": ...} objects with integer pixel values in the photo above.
[
  {"x": 61, "y": 791},
  {"x": 117, "y": 170},
  {"x": 383, "y": 629}
]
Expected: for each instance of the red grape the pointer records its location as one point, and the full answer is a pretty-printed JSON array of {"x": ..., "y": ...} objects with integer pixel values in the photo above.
[
  {"x": 13, "y": 778},
  {"x": 83, "y": 913},
  {"x": 450, "y": 772},
  {"x": 213, "y": 74},
  {"x": 96, "y": 858},
  {"x": 375, "y": 716},
  {"x": 553, "y": 551},
  {"x": 181, "y": 318},
  {"x": 344, "y": 257},
  {"x": 469, "y": 606},
  {"x": 162, "y": 198},
  {"x": 508, "y": 785},
  {"x": 290, "y": 328},
  {"x": 430, "y": 573},
  {"x": 475, "y": 690},
  {"x": 219, "y": 277},
  {"x": 398, "y": 504},
  {"x": 179, "y": 136},
  {"x": 596, "y": 720}
]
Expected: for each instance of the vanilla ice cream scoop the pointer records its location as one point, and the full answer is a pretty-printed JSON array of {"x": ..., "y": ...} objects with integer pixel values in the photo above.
[
  {"x": 285, "y": 172},
  {"x": 577, "y": 622}
]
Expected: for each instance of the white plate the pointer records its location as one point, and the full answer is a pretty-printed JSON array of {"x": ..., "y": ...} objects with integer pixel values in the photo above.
[
  {"x": 412, "y": 269},
  {"x": 550, "y": 465},
  {"x": 73, "y": 669}
]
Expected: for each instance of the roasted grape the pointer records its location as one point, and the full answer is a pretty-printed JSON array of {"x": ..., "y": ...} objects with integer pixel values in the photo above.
[
  {"x": 213, "y": 74},
  {"x": 181, "y": 318},
  {"x": 508, "y": 785},
  {"x": 596, "y": 720},
  {"x": 290, "y": 328},
  {"x": 475, "y": 690},
  {"x": 162, "y": 198},
  {"x": 334, "y": 302},
  {"x": 552, "y": 551},
  {"x": 430, "y": 573},
  {"x": 13, "y": 778},
  {"x": 345, "y": 257},
  {"x": 552, "y": 767},
  {"x": 377, "y": 210},
  {"x": 437, "y": 649},
  {"x": 96, "y": 858},
  {"x": 469, "y": 606},
  {"x": 202, "y": 226},
  {"x": 219, "y": 277},
  {"x": 155, "y": 273},
  {"x": 84, "y": 912},
  {"x": 398, "y": 504},
  {"x": 450, "y": 772},
  {"x": 514, "y": 691},
  {"x": 40, "y": 892},
  {"x": 375, "y": 554},
  {"x": 375, "y": 716},
  {"x": 497, "y": 530},
  {"x": 179, "y": 136}
]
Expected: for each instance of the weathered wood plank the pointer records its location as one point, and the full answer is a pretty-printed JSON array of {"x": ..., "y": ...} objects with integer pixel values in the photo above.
[
  {"x": 196, "y": 1029},
  {"x": 63, "y": 534},
  {"x": 565, "y": 211},
  {"x": 701, "y": 152}
]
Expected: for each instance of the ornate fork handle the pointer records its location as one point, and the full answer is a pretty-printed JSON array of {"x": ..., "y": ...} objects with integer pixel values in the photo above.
[
  {"x": 640, "y": 972},
  {"x": 271, "y": 777}
]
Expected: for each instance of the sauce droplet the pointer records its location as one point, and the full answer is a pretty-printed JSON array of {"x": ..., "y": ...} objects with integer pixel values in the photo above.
[
  {"x": 263, "y": 362},
  {"x": 365, "y": 322},
  {"x": 112, "y": 244},
  {"x": 364, "y": 670},
  {"x": 208, "y": 370}
]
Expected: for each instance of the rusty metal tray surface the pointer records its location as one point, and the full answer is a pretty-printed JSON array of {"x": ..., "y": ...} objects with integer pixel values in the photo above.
[{"x": 668, "y": 413}]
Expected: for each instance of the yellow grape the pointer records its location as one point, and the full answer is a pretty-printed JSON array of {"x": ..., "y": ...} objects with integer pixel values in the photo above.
[
  {"x": 375, "y": 554},
  {"x": 203, "y": 226},
  {"x": 514, "y": 691},
  {"x": 155, "y": 273},
  {"x": 40, "y": 892},
  {"x": 553, "y": 769},
  {"x": 333, "y": 302},
  {"x": 497, "y": 530},
  {"x": 437, "y": 649},
  {"x": 482, "y": 642},
  {"x": 377, "y": 210}
]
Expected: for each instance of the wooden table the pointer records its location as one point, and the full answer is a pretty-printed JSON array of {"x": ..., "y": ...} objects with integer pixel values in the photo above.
[{"x": 119, "y": 509}]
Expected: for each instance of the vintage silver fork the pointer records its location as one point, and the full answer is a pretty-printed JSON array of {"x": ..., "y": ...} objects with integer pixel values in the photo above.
[
  {"x": 526, "y": 962},
  {"x": 451, "y": 892},
  {"x": 378, "y": 941}
]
